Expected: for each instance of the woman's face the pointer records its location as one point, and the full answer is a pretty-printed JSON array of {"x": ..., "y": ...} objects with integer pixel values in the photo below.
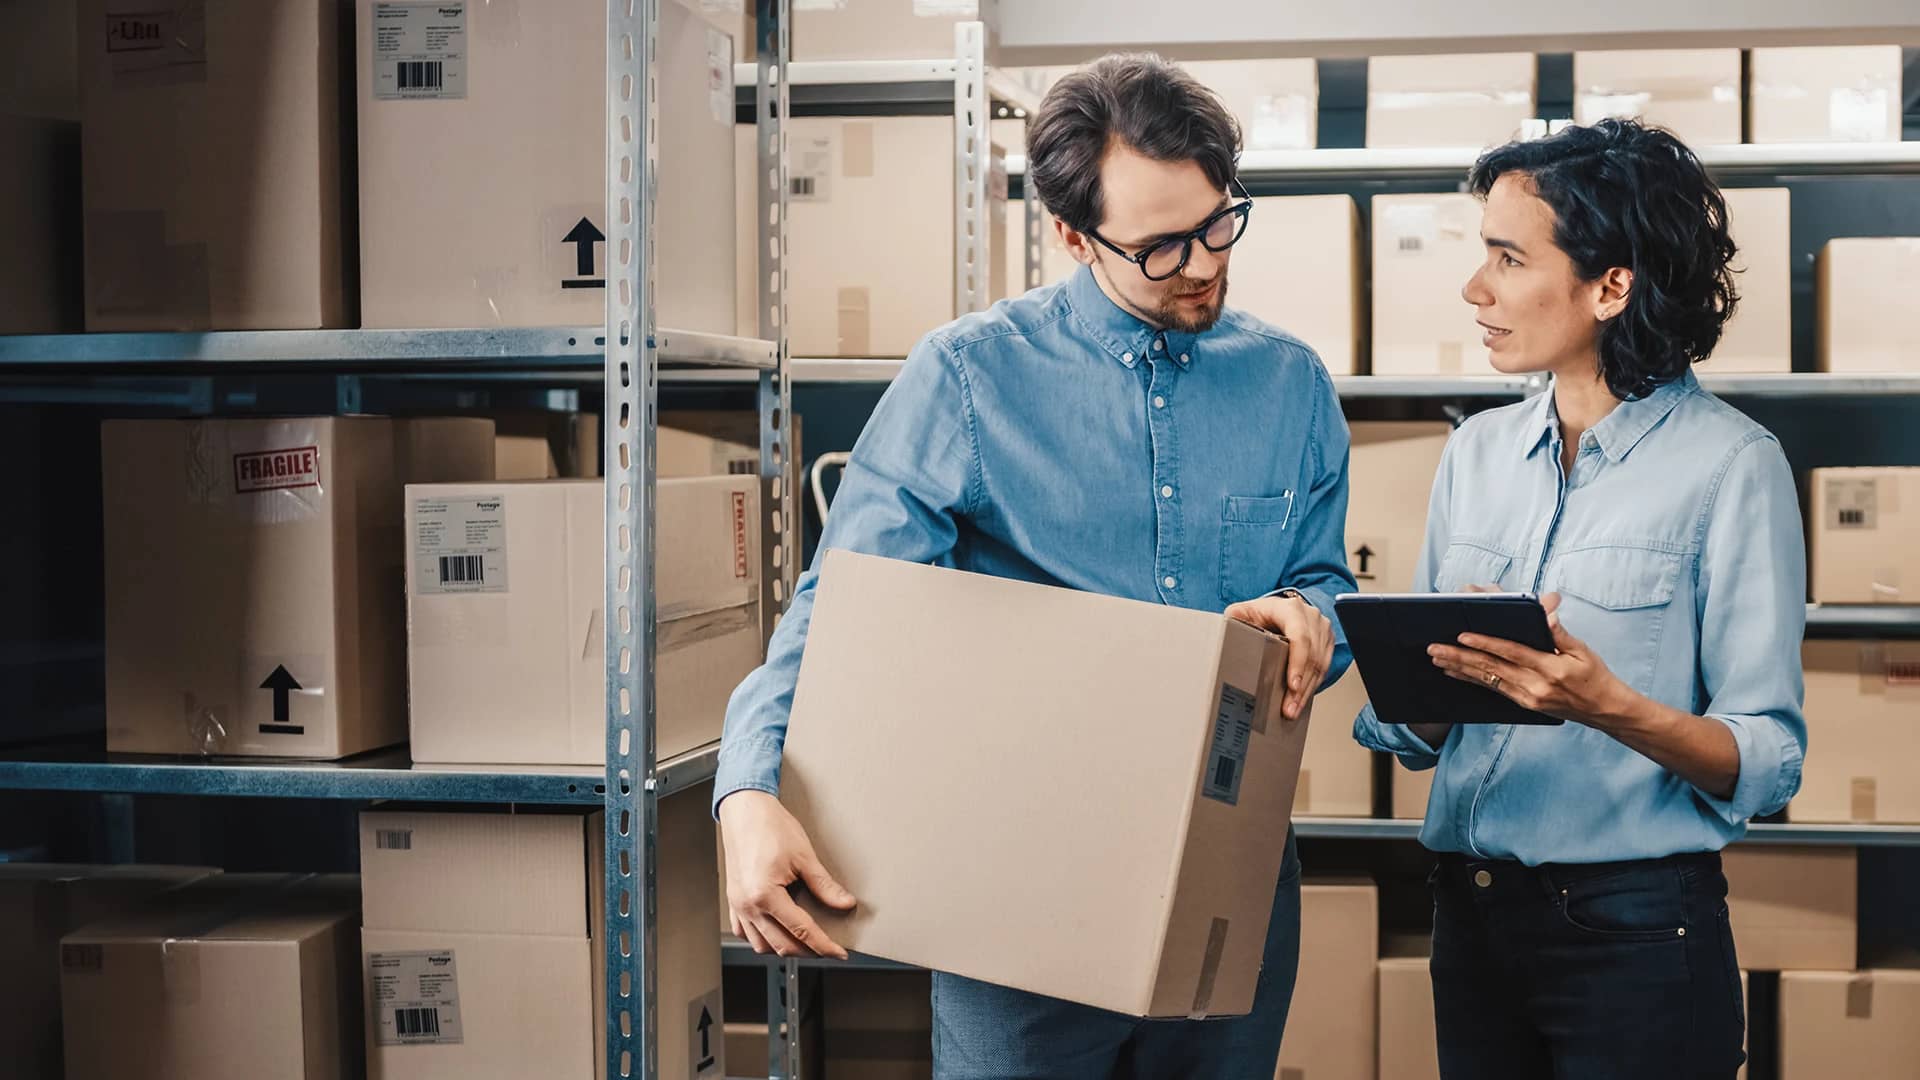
[{"x": 1536, "y": 312}]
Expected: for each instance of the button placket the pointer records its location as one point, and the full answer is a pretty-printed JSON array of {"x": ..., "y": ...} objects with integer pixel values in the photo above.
[{"x": 1168, "y": 528}]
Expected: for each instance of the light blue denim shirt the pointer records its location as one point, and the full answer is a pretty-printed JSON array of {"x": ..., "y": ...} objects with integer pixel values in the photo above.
[
  {"x": 1675, "y": 543},
  {"x": 1057, "y": 439}
]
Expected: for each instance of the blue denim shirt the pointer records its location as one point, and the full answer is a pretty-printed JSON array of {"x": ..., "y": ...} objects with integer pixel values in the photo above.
[
  {"x": 1058, "y": 439},
  {"x": 1675, "y": 542}
]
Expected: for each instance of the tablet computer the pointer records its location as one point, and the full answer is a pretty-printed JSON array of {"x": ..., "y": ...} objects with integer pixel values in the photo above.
[{"x": 1389, "y": 635}]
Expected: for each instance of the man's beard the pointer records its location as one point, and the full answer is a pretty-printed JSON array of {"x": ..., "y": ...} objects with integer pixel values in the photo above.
[{"x": 1173, "y": 317}]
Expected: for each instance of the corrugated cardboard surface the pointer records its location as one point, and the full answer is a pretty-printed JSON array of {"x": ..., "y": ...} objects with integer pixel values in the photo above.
[
  {"x": 1759, "y": 337},
  {"x": 1316, "y": 298},
  {"x": 1474, "y": 100},
  {"x": 1793, "y": 908},
  {"x": 1863, "y": 720},
  {"x": 1097, "y": 761},
  {"x": 1276, "y": 101},
  {"x": 1825, "y": 94},
  {"x": 1694, "y": 93},
  {"x": 1336, "y": 773},
  {"x": 40, "y": 903},
  {"x": 523, "y": 457},
  {"x": 239, "y": 976},
  {"x": 878, "y": 29},
  {"x": 223, "y": 567},
  {"x": 1860, "y": 528},
  {"x": 1425, "y": 247},
  {"x": 486, "y": 243},
  {"x": 1406, "y": 1028},
  {"x": 1331, "y": 1024},
  {"x": 879, "y": 1025},
  {"x": 1854, "y": 1024},
  {"x": 212, "y": 170},
  {"x": 516, "y": 673},
  {"x": 1867, "y": 322}
]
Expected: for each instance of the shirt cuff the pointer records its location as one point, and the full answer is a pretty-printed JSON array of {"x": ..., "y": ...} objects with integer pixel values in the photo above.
[
  {"x": 1396, "y": 739},
  {"x": 1769, "y": 770},
  {"x": 749, "y": 765}
]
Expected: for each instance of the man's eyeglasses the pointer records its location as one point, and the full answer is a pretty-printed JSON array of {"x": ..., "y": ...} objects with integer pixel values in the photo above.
[{"x": 1169, "y": 256}]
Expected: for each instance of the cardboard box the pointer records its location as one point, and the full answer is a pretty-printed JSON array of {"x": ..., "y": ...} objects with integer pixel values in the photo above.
[
  {"x": 1861, "y": 524},
  {"x": 1868, "y": 323},
  {"x": 1425, "y": 247},
  {"x": 1163, "y": 788},
  {"x": 40, "y": 903},
  {"x": 38, "y": 51},
  {"x": 236, "y": 976},
  {"x": 1474, "y": 100},
  {"x": 1793, "y": 908},
  {"x": 1276, "y": 101},
  {"x": 507, "y": 911},
  {"x": 1694, "y": 93},
  {"x": 505, "y": 612},
  {"x": 1759, "y": 337},
  {"x": 1825, "y": 94},
  {"x": 253, "y": 579},
  {"x": 40, "y": 280},
  {"x": 1410, "y": 791},
  {"x": 1336, "y": 773},
  {"x": 879, "y": 29},
  {"x": 879, "y": 1025},
  {"x": 519, "y": 239},
  {"x": 1841, "y": 1023},
  {"x": 1315, "y": 299},
  {"x": 523, "y": 457},
  {"x": 853, "y": 289},
  {"x": 1331, "y": 1027},
  {"x": 1863, "y": 718},
  {"x": 212, "y": 174},
  {"x": 1407, "y": 1043}
]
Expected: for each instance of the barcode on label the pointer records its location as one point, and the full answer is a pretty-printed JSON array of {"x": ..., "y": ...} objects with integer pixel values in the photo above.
[
  {"x": 1852, "y": 518},
  {"x": 800, "y": 185},
  {"x": 417, "y": 1023},
  {"x": 1411, "y": 243},
  {"x": 393, "y": 839},
  {"x": 421, "y": 74},
  {"x": 462, "y": 569},
  {"x": 1223, "y": 773}
]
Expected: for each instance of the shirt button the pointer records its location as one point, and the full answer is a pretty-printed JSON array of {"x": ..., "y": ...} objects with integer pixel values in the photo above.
[
  {"x": 1183, "y": 358},
  {"x": 1167, "y": 492},
  {"x": 1126, "y": 358},
  {"x": 1159, "y": 402},
  {"x": 1158, "y": 344},
  {"x": 1482, "y": 878},
  {"x": 1170, "y": 583}
]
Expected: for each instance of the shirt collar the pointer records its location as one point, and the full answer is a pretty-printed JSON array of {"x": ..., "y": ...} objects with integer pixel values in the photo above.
[
  {"x": 1121, "y": 333},
  {"x": 1620, "y": 430}
]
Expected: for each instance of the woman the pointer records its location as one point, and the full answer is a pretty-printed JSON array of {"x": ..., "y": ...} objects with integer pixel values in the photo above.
[{"x": 1580, "y": 923}]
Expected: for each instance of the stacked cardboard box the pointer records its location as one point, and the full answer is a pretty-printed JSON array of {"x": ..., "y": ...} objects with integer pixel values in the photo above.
[
  {"x": 484, "y": 954},
  {"x": 1425, "y": 247},
  {"x": 1867, "y": 324},
  {"x": 1759, "y": 337},
  {"x": 1332, "y": 1024},
  {"x": 1314, "y": 297},
  {"x": 252, "y": 579},
  {"x": 1859, "y": 537},
  {"x": 1793, "y": 908},
  {"x": 1849, "y": 1023},
  {"x": 1448, "y": 101},
  {"x": 1863, "y": 720},
  {"x": 235, "y": 976},
  {"x": 1825, "y": 94},
  {"x": 39, "y": 224},
  {"x": 1277, "y": 102},
  {"x": 879, "y": 29},
  {"x": 1406, "y": 1028},
  {"x": 1694, "y": 93}
]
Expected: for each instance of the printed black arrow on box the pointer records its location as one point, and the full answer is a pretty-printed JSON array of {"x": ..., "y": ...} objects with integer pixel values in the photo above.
[
  {"x": 583, "y": 236},
  {"x": 283, "y": 685},
  {"x": 1365, "y": 555},
  {"x": 705, "y": 1027}
]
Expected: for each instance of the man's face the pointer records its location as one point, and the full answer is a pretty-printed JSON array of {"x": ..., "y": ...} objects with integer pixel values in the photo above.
[
  {"x": 1536, "y": 313},
  {"x": 1146, "y": 201}
]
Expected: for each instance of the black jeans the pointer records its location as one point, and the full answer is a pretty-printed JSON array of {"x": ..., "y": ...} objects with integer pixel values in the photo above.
[{"x": 1585, "y": 972}]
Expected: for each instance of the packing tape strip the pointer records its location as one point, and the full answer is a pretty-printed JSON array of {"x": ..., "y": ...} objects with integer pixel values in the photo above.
[
  {"x": 180, "y": 970},
  {"x": 1287, "y": 1073},
  {"x": 1272, "y": 693},
  {"x": 856, "y": 149},
  {"x": 1860, "y": 996},
  {"x": 855, "y": 310},
  {"x": 1209, "y": 969},
  {"x": 1866, "y": 798}
]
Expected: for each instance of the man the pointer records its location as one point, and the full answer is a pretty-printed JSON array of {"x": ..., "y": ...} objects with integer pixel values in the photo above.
[{"x": 1121, "y": 432}]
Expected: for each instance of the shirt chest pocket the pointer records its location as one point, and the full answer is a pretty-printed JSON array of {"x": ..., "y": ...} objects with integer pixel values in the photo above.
[
  {"x": 1617, "y": 601},
  {"x": 1255, "y": 541},
  {"x": 1467, "y": 563}
]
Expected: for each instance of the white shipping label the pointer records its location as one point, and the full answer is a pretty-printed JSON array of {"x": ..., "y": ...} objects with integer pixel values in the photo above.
[
  {"x": 419, "y": 52},
  {"x": 810, "y": 169},
  {"x": 415, "y": 998},
  {"x": 1860, "y": 115},
  {"x": 1227, "y": 758},
  {"x": 1412, "y": 229},
  {"x": 720, "y": 77},
  {"x": 1852, "y": 503},
  {"x": 460, "y": 545}
]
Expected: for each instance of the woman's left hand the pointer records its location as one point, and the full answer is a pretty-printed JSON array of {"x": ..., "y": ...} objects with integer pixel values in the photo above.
[{"x": 1571, "y": 683}]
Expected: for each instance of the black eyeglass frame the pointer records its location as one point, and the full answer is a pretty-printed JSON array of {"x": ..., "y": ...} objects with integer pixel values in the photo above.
[{"x": 1242, "y": 209}]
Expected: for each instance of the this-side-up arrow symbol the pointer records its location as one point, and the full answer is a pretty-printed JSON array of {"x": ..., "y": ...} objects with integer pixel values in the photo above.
[
  {"x": 705, "y": 1027},
  {"x": 283, "y": 685},
  {"x": 583, "y": 236},
  {"x": 1365, "y": 556}
]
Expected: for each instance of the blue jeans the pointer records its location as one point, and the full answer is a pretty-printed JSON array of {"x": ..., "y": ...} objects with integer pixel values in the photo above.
[
  {"x": 1592, "y": 972},
  {"x": 985, "y": 1032}
]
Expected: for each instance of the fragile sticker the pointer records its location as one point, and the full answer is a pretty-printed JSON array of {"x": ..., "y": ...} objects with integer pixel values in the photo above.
[
  {"x": 460, "y": 545},
  {"x": 419, "y": 52},
  {"x": 276, "y": 470},
  {"x": 415, "y": 998},
  {"x": 170, "y": 42},
  {"x": 1227, "y": 756}
]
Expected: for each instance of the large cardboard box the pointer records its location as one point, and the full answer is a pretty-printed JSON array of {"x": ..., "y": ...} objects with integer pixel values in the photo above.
[
  {"x": 1406, "y": 1027},
  {"x": 1793, "y": 908},
  {"x": 523, "y": 457},
  {"x": 483, "y": 950},
  {"x": 879, "y": 1025},
  {"x": 212, "y": 172},
  {"x": 236, "y": 977},
  {"x": 1861, "y": 525},
  {"x": 879, "y": 29},
  {"x": 1425, "y": 247},
  {"x": 1759, "y": 337},
  {"x": 254, "y": 579},
  {"x": 1474, "y": 100},
  {"x": 506, "y": 613},
  {"x": 1336, "y": 773},
  {"x": 1276, "y": 101},
  {"x": 1410, "y": 790},
  {"x": 1863, "y": 720},
  {"x": 1331, "y": 1026},
  {"x": 1316, "y": 299},
  {"x": 1868, "y": 322},
  {"x": 40, "y": 903},
  {"x": 854, "y": 289},
  {"x": 1825, "y": 94},
  {"x": 39, "y": 225},
  {"x": 1694, "y": 93},
  {"x": 1163, "y": 788},
  {"x": 1849, "y": 1023},
  {"x": 510, "y": 111}
]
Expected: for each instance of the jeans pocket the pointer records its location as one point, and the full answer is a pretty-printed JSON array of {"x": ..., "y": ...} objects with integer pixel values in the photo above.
[{"x": 1638, "y": 905}]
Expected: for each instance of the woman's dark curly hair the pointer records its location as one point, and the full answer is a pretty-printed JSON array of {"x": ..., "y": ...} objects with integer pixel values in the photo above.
[{"x": 1624, "y": 194}]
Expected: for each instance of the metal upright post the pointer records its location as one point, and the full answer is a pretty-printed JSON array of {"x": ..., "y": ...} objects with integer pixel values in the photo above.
[
  {"x": 973, "y": 153},
  {"x": 632, "y": 820}
]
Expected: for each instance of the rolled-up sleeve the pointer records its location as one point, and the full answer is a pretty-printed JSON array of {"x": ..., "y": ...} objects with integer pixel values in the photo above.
[
  {"x": 912, "y": 474},
  {"x": 1752, "y": 604},
  {"x": 1320, "y": 571}
]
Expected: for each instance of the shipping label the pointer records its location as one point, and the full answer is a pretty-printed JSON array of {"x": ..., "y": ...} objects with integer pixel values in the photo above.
[
  {"x": 419, "y": 52},
  {"x": 1227, "y": 757},
  {"x": 460, "y": 545},
  {"x": 416, "y": 998}
]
